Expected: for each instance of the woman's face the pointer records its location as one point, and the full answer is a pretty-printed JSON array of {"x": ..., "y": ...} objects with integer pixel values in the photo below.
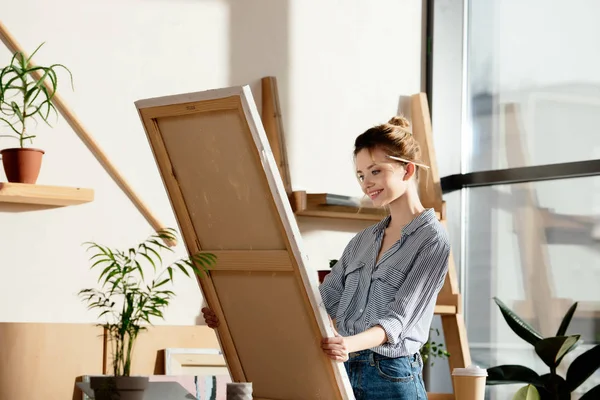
[{"x": 382, "y": 179}]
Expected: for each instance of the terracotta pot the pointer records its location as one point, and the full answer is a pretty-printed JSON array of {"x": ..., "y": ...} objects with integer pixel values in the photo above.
[
  {"x": 22, "y": 165},
  {"x": 119, "y": 387},
  {"x": 322, "y": 274}
]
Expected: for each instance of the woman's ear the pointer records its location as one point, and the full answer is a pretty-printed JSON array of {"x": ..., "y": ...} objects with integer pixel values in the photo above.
[{"x": 409, "y": 171}]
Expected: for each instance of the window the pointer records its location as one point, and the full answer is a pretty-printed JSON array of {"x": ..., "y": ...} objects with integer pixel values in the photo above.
[{"x": 526, "y": 187}]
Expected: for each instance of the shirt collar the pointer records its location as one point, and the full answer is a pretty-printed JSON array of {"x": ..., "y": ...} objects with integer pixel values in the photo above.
[{"x": 424, "y": 218}]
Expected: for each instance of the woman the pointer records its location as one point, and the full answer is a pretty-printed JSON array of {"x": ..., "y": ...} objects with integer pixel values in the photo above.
[{"x": 382, "y": 292}]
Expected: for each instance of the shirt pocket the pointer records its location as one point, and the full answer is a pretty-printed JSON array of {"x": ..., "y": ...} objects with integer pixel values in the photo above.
[
  {"x": 390, "y": 276},
  {"x": 353, "y": 267},
  {"x": 352, "y": 276}
]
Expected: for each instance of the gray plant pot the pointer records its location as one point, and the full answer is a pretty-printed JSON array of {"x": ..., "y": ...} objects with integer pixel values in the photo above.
[
  {"x": 239, "y": 391},
  {"x": 119, "y": 387}
]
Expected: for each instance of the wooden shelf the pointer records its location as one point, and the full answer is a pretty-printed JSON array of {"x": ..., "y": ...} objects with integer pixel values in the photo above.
[
  {"x": 22, "y": 193},
  {"x": 326, "y": 205}
]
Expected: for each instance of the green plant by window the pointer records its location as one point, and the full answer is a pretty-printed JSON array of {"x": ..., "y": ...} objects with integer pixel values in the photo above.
[
  {"x": 528, "y": 392},
  {"x": 551, "y": 351},
  {"x": 128, "y": 298},
  {"x": 23, "y": 98},
  {"x": 432, "y": 349}
]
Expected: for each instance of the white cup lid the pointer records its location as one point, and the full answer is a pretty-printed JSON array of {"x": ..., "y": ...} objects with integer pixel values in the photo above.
[{"x": 471, "y": 370}]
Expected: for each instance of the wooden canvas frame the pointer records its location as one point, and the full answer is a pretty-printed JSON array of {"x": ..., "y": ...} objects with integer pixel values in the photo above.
[{"x": 219, "y": 171}]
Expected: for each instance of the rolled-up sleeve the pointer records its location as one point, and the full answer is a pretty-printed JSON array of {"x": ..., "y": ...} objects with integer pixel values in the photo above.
[{"x": 420, "y": 288}]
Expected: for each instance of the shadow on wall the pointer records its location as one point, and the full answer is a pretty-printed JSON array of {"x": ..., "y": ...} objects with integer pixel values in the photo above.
[
  {"x": 259, "y": 47},
  {"x": 17, "y": 207}
]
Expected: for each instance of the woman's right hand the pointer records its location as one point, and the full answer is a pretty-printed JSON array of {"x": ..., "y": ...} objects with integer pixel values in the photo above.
[{"x": 210, "y": 318}]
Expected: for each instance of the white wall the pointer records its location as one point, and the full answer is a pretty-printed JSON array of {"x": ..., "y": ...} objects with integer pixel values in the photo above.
[{"x": 341, "y": 68}]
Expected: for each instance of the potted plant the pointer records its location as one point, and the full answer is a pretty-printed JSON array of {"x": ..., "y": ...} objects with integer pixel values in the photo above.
[
  {"x": 551, "y": 350},
  {"x": 24, "y": 99},
  {"x": 430, "y": 350},
  {"x": 322, "y": 273},
  {"x": 128, "y": 298}
]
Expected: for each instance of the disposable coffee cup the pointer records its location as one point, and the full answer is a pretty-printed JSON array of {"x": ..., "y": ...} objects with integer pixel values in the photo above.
[{"x": 469, "y": 383}]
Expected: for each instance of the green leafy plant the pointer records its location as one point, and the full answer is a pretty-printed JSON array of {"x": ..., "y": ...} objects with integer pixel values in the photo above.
[
  {"x": 528, "y": 392},
  {"x": 432, "y": 349},
  {"x": 127, "y": 299},
  {"x": 551, "y": 351},
  {"x": 23, "y": 98}
]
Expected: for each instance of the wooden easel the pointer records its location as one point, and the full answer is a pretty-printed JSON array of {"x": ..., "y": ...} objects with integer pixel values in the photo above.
[
  {"x": 449, "y": 298},
  {"x": 449, "y": 305}
]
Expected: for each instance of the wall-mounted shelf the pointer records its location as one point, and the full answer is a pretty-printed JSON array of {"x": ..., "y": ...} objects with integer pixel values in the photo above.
[
  {"x": 22, "y": 193},
  {"x": 328, "y": 205}
]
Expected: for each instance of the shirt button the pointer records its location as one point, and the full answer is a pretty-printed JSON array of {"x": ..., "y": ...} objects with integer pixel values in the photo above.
[{"x": 361, "y": 310}]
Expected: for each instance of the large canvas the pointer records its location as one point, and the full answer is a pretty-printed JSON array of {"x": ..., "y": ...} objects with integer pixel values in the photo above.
[{"x": 229, "y": 200}]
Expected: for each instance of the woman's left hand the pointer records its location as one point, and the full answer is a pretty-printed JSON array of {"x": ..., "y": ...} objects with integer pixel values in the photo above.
[{"x": 336, "y": 348}]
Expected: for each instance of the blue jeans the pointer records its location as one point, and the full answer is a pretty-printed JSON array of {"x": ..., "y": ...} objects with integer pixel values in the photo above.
[{"x": 374, "y": 376}]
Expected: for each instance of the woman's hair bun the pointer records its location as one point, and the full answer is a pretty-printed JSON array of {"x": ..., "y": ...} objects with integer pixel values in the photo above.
[{"x": 399, "y": 121}]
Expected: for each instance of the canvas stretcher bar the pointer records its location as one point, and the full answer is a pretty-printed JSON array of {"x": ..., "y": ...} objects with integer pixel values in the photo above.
[{"x": 228, "y": 197}]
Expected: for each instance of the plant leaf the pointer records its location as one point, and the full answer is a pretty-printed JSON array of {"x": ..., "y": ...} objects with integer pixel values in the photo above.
[
  {"x": 182, "y": 268},
  {"x": 528, "y": 392},
  {"x": 28, "y": 60},
  {"x": 106, "y": 270},
  {"x": 11, "y": 126},
  {"x": 520, "y": 327},
  {"x": 562, "y": 329},
  {"x": 553, "y": 386},
  {"x": 506, "y": 374},
  {"x": 592, "y": 394},
  {"x": 161, "y": 283},
  {"x": 583, "y": 367},
  {"x": 552, "y": 350},
  {"x": 149, "y": 259}
]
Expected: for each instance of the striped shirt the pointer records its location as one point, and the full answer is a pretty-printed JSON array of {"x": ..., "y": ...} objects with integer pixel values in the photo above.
[{"x": 399, "y": 293}]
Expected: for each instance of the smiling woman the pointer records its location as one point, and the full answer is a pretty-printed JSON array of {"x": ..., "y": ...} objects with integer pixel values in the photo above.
[{"x": 382, "y": 291}]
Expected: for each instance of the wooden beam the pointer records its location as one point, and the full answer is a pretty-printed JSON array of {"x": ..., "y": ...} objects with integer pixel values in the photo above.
[
  {"x": 273, "y": 124},
  {"x": 455, "y": 335},
  {"x": 441, "y": 309},
  {"x": 430, "y": 188}
]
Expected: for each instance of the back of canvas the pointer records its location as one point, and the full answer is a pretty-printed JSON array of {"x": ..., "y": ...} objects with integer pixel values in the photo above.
[{"x": 229, "y": 200}]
